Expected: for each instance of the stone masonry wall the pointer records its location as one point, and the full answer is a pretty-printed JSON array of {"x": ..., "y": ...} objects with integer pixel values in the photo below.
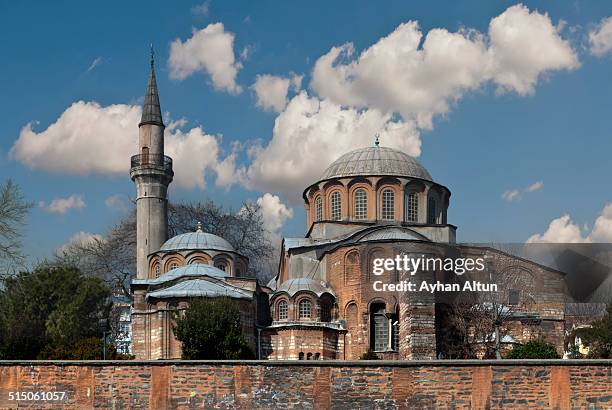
[{"x": 560, "y": 384}]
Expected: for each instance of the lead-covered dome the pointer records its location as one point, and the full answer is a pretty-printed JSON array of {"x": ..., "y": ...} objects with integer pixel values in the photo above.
[
  {"x": 197, "y": 240},
  {"x": 376, "y": 161}
]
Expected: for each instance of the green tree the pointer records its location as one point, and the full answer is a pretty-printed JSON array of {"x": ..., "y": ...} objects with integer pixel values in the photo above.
[
  {"x": 535, "y": 349},
  {"x": 89, "y": 348},
  {"x": 49, "y": 307},
  {"x": 211, "y": 329},
  {"x": 599, "y": 337}
]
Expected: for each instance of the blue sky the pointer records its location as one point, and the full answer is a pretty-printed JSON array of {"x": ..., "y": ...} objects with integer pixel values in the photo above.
[{"x": 489, "y": 140}]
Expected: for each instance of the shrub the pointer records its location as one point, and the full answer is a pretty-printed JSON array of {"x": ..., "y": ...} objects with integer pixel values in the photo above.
[
  {"x": 370, "y": 355},
  {"x": 535, "y": 349}
]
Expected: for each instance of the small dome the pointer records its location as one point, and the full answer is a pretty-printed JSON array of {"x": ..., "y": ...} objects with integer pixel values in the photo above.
[
  {"x": 197, "y": 240},
  {"x": 194, "y": 270},
  {"x": 293, "y": 286},
  {"x": 376, "y": 161}
]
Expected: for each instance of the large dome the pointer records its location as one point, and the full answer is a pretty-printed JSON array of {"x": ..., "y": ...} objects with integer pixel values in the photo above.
[
  {"x": 197, "y": 240},
  {"x": 376, "y": 161}
]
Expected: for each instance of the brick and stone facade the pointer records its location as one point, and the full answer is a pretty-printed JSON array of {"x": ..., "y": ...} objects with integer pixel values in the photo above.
[{"x": 555, "y": 384}]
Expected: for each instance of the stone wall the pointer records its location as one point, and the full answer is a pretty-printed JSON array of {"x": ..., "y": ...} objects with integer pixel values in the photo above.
[{"x": 556, "y": 384}]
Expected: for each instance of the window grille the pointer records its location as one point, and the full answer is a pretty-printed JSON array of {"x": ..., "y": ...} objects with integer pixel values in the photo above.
[
  {"x": 361, "y": 204},
  {"x": 388, "y": 205},
  {"x": 413, "y": 207}
]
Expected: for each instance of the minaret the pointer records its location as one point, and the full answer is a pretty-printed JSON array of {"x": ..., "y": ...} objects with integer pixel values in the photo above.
[{"x": 152, "y": 172}]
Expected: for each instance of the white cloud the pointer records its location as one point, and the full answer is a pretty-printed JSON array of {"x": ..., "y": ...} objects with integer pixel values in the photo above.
[
  {"x": 97, "y": 61},
  {"x": 560, "y": 230},
  {"x": 96, "y": 139},
  {"x": 602, "y": 228},
  {"x": 271, "y": 91},
  {"x": 311, "y": 133},
  {"x": 600, "y": 38},
  {"x": 118, "y": 202},
  {"x": 398, "y": 74},
  {"x": 564, "y": 230},
  {"x": 274, "y": 212},
  {"x": 536, "y": 186},
  {"x": 63, "y": 205},
  {"x": 511, "y": 195},
  {"x": 201, "y": 9},
  {"x": 211, "y": 50},
  {"x": 517, "y": 194},
  {"x": 100, "y": 140},
  {"x": 79, "y": 239}
]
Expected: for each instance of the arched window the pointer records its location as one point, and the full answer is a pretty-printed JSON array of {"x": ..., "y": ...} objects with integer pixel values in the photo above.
[
  {"x": 336, "y": 206},
  {"x": 309, "y": 356},
  {"x": 379, "y": 328},
  {"x": 319, "y": 209},
  {"x": 317, "y": 356},
  {"x": 305, "y": 309},
  {"x": 157, "y": 270},
  {"x": 431, "y": 211},
  {"x": 326, "y": 311},
  {"x": 174, "y": 265},
  {"x": 283, "y": 310},
  {"x": 413, "y": 207},
  {"x": 221, "y": 266},
  {"x": 361, "y": 204},
  {"x": 388, "y": 205},
  {"x": 301, "y": 356}
]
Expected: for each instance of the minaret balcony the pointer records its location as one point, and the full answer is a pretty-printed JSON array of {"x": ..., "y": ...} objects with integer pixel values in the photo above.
[{"x": 156, "y": 162}]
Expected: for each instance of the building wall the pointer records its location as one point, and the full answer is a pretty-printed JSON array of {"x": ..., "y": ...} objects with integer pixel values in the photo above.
[
  {"x": 561, "y": 384},
  {"x": 152, "y": 327}
]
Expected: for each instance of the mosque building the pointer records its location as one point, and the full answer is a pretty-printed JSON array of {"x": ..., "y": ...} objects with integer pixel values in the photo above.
[{"x": 371, "y": 203}]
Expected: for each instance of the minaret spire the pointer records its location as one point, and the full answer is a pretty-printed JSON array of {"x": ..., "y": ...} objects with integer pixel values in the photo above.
[
  {"x": 151, "y": 110},
  {"x": 152, "y": 173}
]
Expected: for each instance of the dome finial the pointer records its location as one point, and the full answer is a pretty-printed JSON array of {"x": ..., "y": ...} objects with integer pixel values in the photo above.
[
  {"x": 199, "y": 227},
  {"x": 376, "y": 141}
]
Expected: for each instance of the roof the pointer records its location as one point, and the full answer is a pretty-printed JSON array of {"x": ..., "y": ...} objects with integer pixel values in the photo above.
[
  {"x": 293, "y": 286},
  {"x": 200, "y": 288},
  {"x": 193, "y": 270},
  {"x": 376, "y": 161},
  {"x": 394, "y": 233},
  {"x": 151, "y": 111},
  {"x": 197, "y": 240}
]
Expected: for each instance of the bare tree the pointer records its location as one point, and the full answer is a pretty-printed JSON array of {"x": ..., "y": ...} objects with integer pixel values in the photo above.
[
  {"x": 113, "y": 257},
  {"x": 13, "y": 211},
  {"x": 480, "y": 321}
]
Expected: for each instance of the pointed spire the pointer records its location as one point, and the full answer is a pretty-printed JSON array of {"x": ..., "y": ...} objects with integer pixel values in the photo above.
[{"x": 151, "y": 111}]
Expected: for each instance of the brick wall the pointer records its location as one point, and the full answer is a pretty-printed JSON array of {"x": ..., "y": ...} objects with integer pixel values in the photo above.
[{"x": 323, "y": 384}]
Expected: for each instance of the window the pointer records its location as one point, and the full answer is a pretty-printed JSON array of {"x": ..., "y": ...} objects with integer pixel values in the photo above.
[
  {"x": 283, "y": 310},
  {"x": 361, "y": 204},
  {"x": 305, "y": 309},
  {"x": 221, "y": 266},
  {"x": 326, "y": 312},
  {"x": 336, "y": 206},
  {"x": 301, "y": 356},
  {"x": 431, "y": 211},
  {"x": 309, "y": 356},
  {"x": 174, "y": 265},
  {"x": 317, "y": 356},
  {"x": 380, "y": 328},
  {"x": 319, "y": 209},
  {"x": 413, "y": 207},
  {"x": 514, "y": 297},
  {"x": 388, "y": 205},
  {"x": 157, "y": 270}
]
